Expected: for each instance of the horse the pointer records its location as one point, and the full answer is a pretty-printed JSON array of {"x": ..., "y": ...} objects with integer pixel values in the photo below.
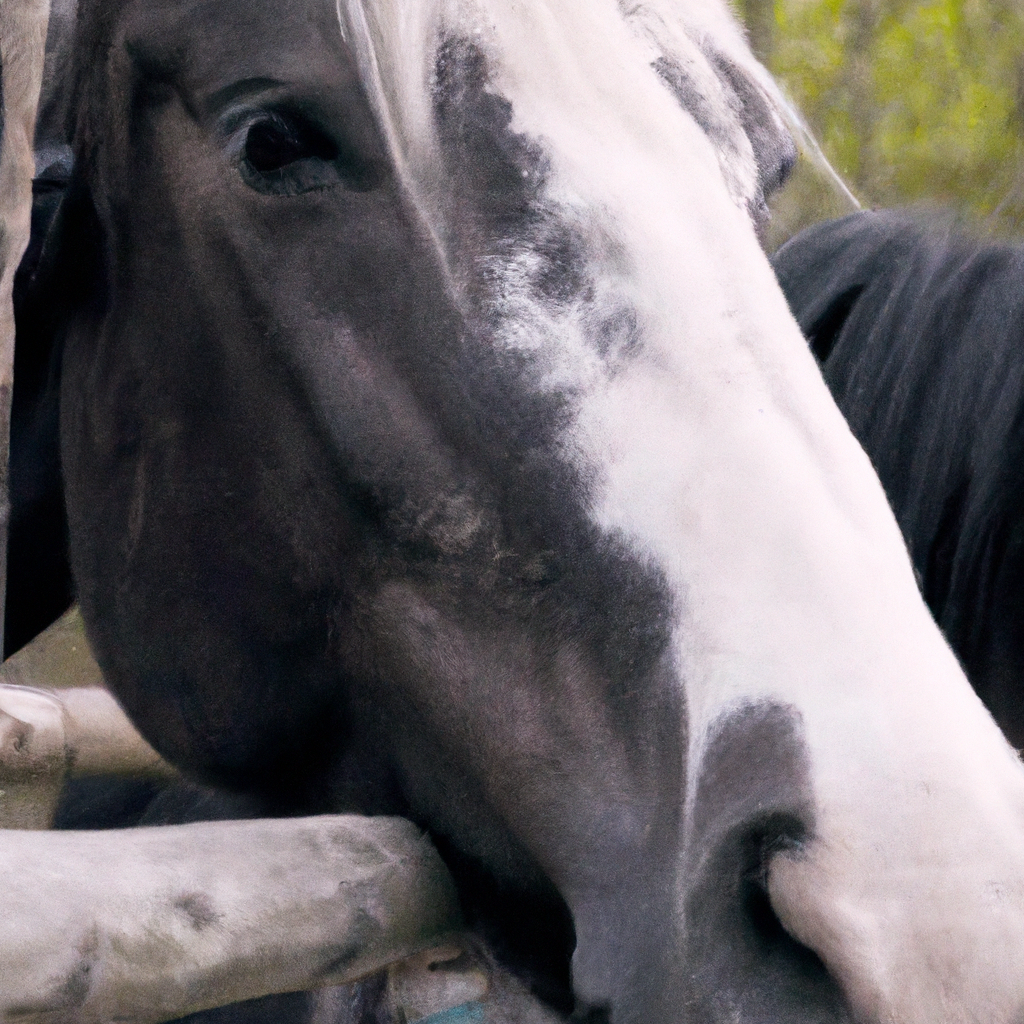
[
  {"x": 436, "y": 441},
  {"x": 917, "y": 327}
]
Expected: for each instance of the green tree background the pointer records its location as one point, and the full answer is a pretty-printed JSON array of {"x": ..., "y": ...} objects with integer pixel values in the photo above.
[{"x": 910, "y": 101}]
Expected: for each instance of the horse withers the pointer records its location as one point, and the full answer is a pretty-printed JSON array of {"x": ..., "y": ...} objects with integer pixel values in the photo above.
[{"x": 436, "y": 441}]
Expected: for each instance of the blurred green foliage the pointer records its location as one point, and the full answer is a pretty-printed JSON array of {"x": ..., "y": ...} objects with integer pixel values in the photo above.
[{"x": 910, "y": 101}]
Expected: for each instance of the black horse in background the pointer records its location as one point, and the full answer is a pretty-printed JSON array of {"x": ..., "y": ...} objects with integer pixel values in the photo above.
[{"x": 919, "y": 330}]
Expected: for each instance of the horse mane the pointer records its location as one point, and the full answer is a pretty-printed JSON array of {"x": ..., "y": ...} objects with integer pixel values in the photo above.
[{"x": 919, "y": 327}]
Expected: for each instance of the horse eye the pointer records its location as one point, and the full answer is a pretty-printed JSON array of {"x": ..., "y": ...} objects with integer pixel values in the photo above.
[
  {"x": 280, "y": 154},
  {"x": 283, "y": 154},
  {"x": 273, "y": 143}
]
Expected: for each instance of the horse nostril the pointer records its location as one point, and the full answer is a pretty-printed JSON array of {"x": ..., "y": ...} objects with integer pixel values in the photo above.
[
  {"x": 758, "y": 908},
  {"x": 742, "y": 958},
  {"x": 774, "y": 940},
  {"x": 779, "y": 833}
]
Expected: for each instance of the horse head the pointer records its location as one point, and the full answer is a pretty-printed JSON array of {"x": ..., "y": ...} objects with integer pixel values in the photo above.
[{"x": 437, "y": 441}]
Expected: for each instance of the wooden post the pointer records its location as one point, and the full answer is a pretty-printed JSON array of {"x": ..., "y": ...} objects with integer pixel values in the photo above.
[{"x": 22, "y": 48}]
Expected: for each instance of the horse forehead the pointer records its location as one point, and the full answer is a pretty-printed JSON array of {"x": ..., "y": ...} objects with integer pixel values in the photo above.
[
  {"x": 595, "y": 84},
  {"x": 588, "y": 82}
]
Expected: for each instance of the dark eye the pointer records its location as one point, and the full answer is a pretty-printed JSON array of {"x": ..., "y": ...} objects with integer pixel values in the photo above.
[
  {"x": 274, "y": 143},
  {"x": 286, "y": 155}
]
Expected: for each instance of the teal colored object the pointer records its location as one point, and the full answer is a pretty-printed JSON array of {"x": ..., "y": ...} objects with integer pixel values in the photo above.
[{"x": 464, "y": 1013}]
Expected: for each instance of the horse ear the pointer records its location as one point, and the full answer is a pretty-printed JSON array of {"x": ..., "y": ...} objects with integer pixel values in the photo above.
[
  {"x": 761, "y": 112},
  {"x": 784, "y": 149}
]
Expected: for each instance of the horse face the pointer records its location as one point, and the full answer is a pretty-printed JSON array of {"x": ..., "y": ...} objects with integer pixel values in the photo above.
[{"x": 437, "y": 441}]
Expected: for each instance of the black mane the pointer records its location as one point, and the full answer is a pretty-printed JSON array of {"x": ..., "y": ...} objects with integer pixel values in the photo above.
[{"x": 920, "y": 333}]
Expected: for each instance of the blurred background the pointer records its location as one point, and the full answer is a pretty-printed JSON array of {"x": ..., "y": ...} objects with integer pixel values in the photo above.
[{"x": 909, "y": 101}]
